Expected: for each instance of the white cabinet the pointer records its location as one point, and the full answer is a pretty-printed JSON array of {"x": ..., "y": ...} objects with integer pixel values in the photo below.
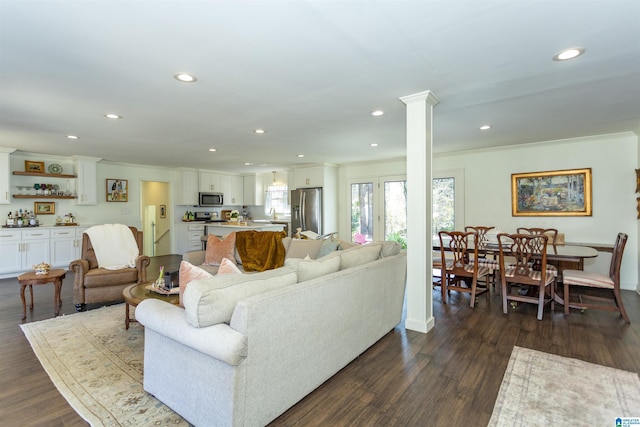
[
  {"x": 86, "y": 169},
  {"x": 233, "y": 190},
  {"x": 187, "y": 188},
  {"x": 253, "y": 190},
  {"x": 309, "y": 177},
  {"x": 65, "y": 246},
  {"x": 5, "y": 198},
  {"x": 195, "y": 231},
  {"x": 10, "y": 248},
  {"x": 210, "y": 181}
]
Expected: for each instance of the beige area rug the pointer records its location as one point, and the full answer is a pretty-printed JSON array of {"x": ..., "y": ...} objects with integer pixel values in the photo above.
[
  {"x": 97, "y": 366},
  {"x": 541, "y": 389}
]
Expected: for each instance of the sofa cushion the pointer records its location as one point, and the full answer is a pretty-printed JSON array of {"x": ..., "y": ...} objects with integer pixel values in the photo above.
[
  {"x": 99, "y": 277},
  {"x": 211, "y": 301},
  {"x": 228, "y": 267},
  {"x": 218, "y": 249},
  {"x": 299, "y": 248},
  {"x": 310, "y": 269},
  {"x": 359, "y": 255},
  {"x": 189, "y": 272}
]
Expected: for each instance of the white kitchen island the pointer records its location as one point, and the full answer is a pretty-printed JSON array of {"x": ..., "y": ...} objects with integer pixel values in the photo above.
[{"x": 222, "y": 229}]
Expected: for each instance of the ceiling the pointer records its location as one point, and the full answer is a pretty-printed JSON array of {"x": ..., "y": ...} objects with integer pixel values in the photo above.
[{"x": 309, "y": 73}]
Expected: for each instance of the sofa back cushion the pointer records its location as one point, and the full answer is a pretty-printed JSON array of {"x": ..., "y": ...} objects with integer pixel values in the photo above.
[
  {"x": 300, "y": 248},
  {"x": 211, "y": 301},
  {"x": 359, "y": 255},
  {"x": 310, "y": 269}
]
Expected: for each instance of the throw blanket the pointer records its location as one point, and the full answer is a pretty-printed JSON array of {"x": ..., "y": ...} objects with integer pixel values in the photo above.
[
  {"x": 260, "y": 250},
  {"x": 114, "y": 246}
]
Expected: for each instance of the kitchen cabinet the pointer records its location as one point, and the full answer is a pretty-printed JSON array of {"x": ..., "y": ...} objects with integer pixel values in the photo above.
[
  {"x": 86, "y": 185},
  {"x": 253, "y": 190},
  {"x": 187, "y": 188},
  {"x": 309, "y": 177},
  {"x": 11, "y": 250},
  {"x": 23, "y": 248},
  {"x": 233, "y": 190},
  {"x": 209, "y": 181},
  {"x": 4, "y": 177},
  {"x": 195, "y": 232},
  {"x": 65, "y": 246}
]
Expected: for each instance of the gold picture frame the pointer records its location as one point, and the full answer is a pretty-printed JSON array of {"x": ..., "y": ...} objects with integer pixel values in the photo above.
[
  {"x": 44, "y": 208},
  {"x": 552, "y": 193},
  {"x": 33, "y": 167},
  {"x": 117, "y": 190}
]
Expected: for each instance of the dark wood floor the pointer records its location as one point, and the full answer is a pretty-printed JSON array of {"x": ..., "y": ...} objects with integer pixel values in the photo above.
[{"x": 450, "y": 376}]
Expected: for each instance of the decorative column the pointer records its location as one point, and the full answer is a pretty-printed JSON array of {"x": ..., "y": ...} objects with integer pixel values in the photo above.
[{"x": 419, "y": 217}]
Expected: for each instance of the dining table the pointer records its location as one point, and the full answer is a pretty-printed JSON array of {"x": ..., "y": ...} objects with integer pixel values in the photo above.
[{"x": 561, "y": 253}]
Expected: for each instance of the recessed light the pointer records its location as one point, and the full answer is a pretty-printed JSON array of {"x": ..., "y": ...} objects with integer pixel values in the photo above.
[
  {"x": 185, "y": 77},
  {"x": 112, "y": 116},
  {"x": 485, "y": 127},
  {"x": 300, "y": 155},
  {"x": 212, "y": 150},
  {"x": 248, "y": 164},
  {"x": 73, "y": 137},
  {"x": 373, "y": 144},
  {"x": 259, "y": 131},
  {"x": 377, "y": 113},
  {"x": 568, "y": 54}
]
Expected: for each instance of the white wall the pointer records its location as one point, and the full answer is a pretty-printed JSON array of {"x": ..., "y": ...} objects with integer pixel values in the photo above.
[{"x": 612, "y": 158}]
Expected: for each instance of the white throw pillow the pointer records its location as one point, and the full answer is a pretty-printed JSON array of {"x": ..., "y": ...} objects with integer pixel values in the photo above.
[
  {"x": 310, "y": 269},
  {"x": 211, "y": 301},
  {"x": 299, "y": 248},
  {"x": 358, "y": 256}
]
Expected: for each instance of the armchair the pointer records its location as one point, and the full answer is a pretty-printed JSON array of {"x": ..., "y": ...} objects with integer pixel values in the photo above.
[{"x": 96, "y": 285}]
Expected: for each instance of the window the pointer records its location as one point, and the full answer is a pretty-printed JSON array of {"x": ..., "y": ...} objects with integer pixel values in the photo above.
[
  {"x": 447, "y": 201},
  {"x": 277, "y": 199}
]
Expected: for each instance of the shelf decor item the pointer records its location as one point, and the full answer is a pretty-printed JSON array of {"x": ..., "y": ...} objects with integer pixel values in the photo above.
[
  {"x": 55, "y": 169},
  {"x": 33, "y": 167},
  {"x": 44, "y": 208},
  {"x": 117, "y": 190},
  {"x": 553, "y": 193}
]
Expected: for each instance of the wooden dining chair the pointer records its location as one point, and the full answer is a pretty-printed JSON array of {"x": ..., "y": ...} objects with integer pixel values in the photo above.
[
  {"x": 456, "y": 265},
  {"x": 610, "y": 282},
  {"x": 552, "y": 233},
  {"x": 482, "y": 248},
  {"x": 524, "y": 249}
]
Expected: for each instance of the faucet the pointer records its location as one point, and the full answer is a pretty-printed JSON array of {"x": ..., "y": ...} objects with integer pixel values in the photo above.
[{"x": 272, "y": 213}]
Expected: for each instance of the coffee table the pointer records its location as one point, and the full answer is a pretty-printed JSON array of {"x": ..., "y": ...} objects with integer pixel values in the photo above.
[
  {"x": 31, "y": 278},
  {"x": 135, "y": 294}
]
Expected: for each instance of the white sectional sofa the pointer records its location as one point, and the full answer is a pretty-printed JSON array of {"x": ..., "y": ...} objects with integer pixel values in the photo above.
[{"x": 247, "y": 347}]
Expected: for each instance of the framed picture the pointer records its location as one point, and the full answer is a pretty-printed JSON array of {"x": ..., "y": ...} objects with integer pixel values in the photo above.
[
  {"x": 554, "y": 193},
  {"x": 34, "y": 167},
  {"x": 163, "y": 211},
  {"x": 117, "y": 190},
  {"x": 44, "y": 208}
]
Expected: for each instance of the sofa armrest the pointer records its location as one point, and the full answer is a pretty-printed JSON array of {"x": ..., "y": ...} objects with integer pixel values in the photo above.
[
  {"x": 80, "y": 267},
  {"x": 218, "y": 341},
  {"x": 195, "y": 257},
  {"x": 142, "y": 262}
]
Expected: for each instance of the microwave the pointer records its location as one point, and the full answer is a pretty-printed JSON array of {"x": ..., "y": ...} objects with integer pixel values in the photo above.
[{"x": 210, "y": 199}]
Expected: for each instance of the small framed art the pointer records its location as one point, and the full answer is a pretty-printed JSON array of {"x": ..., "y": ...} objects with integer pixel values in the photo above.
[{"x": 117, "y": 190}]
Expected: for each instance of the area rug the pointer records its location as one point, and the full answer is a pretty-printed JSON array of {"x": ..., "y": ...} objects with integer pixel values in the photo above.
[
  {"x": 97, "y": 366},
  {"x": 541, "y": 389}
]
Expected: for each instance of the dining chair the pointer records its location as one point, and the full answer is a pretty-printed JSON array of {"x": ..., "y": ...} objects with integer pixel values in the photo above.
[
  {"x": 550, "y": 232},
  {"x": 456, "y": 265},
  {"x": 489, "y": 259},
  {"x": 610, "y": 282},
  {"x": 523, "y": 249}
]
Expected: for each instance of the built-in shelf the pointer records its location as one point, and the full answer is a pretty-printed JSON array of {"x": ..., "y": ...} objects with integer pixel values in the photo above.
[
  {"x": 29, "y": 196},
  {"x": 48, "y": 175}
]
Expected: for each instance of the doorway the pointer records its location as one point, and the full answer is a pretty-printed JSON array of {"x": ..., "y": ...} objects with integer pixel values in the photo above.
[{"x": 157, "y": 217}]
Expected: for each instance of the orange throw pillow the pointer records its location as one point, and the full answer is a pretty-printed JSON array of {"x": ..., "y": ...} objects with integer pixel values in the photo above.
[
  {"x": 189, "y": 272},
  {"x": 218, "y": 249}
]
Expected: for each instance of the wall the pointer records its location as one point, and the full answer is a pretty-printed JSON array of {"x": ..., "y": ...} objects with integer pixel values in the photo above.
[{"x": 612, "y": 159}]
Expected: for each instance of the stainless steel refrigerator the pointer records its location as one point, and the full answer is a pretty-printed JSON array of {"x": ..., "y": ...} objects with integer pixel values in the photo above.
[{"x": 306, "y": 209}]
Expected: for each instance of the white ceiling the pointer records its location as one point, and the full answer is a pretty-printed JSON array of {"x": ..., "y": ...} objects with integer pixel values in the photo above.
[{"x": 309, "y": 72}]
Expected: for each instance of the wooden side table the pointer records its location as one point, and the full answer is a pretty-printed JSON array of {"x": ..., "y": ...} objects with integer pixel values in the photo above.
[
  {"x": 135, "y": 294},
  {"x": 31, "y": 278}
]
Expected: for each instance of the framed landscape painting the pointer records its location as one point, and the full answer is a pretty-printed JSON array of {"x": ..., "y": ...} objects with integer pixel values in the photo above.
[{"x": 553, "y": 193}]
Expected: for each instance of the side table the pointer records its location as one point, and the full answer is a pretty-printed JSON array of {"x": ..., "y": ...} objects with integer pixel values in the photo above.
[
  {"x": 31, "y": 278},
  {"x": 135, "y": 294}
]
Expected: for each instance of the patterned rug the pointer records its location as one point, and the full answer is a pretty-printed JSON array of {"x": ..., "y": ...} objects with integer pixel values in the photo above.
[
  {"x": 541, "y": 389},
  {"x": 97, "y": 366}
]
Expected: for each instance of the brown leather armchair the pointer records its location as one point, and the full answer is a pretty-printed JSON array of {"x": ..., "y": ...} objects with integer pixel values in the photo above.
[{"x": 97, "y": 285}]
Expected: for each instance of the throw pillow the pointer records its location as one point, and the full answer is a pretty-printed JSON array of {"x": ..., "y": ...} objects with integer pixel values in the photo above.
[
  {"x": 358, "y": 256},
  {"x": 328, "y": 246},
  {"x": 299, "y": 248},
  {"x": 187, "y": 273},
  {"x": 211, "y": 301},
  {"x": 310, "y": 269},
  {"x": 218, "y": 249},
  {"x": 228, "y": 267}
]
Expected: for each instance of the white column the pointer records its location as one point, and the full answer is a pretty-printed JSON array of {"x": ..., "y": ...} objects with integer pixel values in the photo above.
[{"x": 419, "y": 177}]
